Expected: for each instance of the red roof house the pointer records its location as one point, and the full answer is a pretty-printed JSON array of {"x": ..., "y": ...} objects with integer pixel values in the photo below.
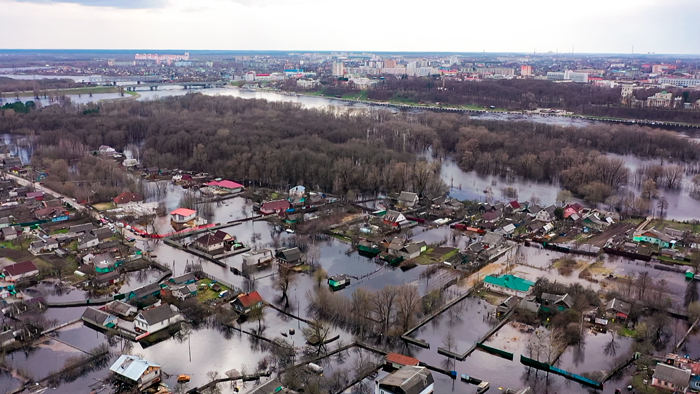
[
  {"x": 397, "y": 360},
  {"x": 25, "y": 269},
  {"x": 277, "y": 206},
  {"x": 226, "y": 185},
  {"x": 126, "y": 198},
  {"x": 246, "y": 302}
]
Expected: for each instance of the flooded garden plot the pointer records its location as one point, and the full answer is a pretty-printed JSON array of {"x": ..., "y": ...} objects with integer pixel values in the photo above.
[
  {"x": 601, "y": 351},
  {"x": 467, "y": 321},
  {"x": 212, "y": 350},
  {"x": 56, "y": 291},
  {"x": 41, "y": 360},
  {"x": 134, "y": 280}
]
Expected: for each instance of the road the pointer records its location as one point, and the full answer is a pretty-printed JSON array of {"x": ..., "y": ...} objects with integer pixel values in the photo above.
[{"x": 40, "y": 187}]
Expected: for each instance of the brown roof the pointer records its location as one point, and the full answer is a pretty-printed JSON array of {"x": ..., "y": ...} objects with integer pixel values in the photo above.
[
  {"x": 396, "y": 358},
  {"x": 250, "y": 299},
  {"x": 209, "y": 239},
  {"x": 21, "y": 268},
  {"x": 127, "y": 197}
]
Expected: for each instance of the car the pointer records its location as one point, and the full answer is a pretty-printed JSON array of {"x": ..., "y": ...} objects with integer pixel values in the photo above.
[
  {"x": 289, "y": 231},
  {"x": 130, "y": 239}
]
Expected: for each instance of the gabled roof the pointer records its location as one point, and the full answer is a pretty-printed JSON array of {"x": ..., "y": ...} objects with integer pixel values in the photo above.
[
  {"x": 21, "y": 268},
  {"x": 657, "y": 234},
  {"x": 396, "y": 358},
  {"x": 618, "y": 306},
  {"x": 183, "y": 212},
  {"x": 392, "y": 216},
  {"x": 667, "y": 373},
  {"x": 556, "y": 299},
  {"x": 183, "y": 278},
  {"x": 509, "y": 282},
  {"x": 108, "y": 276},
  {"x": 491, "y": 215},
  {"x": 410, "y": 379},
  {"x": 119, "y": 307},
  {"x": 158, "y": 314},
  {"x": 85, "y": 238},
  {"x": 250, "y": 299},
  {"x": 225, "y": 184},
  {"x": 492, "y": 238},
  {"x": 127, "y": 197},
  {"x": 275, "y": 205},
  {"x": 81, "y": 228},
  {"x": 414, "y": 247},
  {"x": 514, "y": 204},
  {"x": 95, "y": 315},
  {"x": 146, "y": 290},
  {"x": 131, "y": 367},
  {"x": 104, "y": 260},
  {"x": 408, "y": 197},
  {"x": 291, "y": 254},
  {"x": 209, "y": 239}
]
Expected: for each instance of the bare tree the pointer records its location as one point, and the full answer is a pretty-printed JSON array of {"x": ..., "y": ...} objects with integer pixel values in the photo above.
[{"x": 408, "y": 306}]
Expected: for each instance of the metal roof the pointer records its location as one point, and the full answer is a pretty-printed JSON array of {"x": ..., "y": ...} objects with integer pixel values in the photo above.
[{"x": 131, "y": 367}]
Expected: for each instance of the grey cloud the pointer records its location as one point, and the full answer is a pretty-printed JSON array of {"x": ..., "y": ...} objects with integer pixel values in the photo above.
[{"x": 125, "y": 4}]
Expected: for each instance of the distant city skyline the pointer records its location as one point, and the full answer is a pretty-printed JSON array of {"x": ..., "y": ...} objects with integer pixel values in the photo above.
[{"x": 598, "y": 26}]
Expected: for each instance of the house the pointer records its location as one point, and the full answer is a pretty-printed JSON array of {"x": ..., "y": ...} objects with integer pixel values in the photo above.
[
  {"x": 297, "y": 192},
  {"x": 119, "y": 308},
  {"x": 19, "y": 271},
  {"x": 209, "y": 242},
  {"x": 553, "y": 303},
  {"x": 394, "y": 218},
  {"x": 407, "y": 200},
  {"x": 105, "y": 262},
  {"x": 106, "y": 279},
  {"x": 81, "y": 229},
  {"x": 508, "y": 229},
  {"x": 185, "y": 279},
  {"x": 5, "y": 222},
  {"x": 87, "y": 241},
  {"x": 55, "y": 203},
  {"x": 529, "y": 303},
  {"x": 136, "y": 371},
  {"x": 144, "y": 292},
  {"x": 183, "y": 215},
  {"x": 617, "y": 309},
  {"x": 396, "y": 361},
  {"x": 127, "y": 198},
  {"x": 655, "y": 237},
  {"x": 338, "y": 282},
  {"x": 37, "y": 195},
  {"x": 157, "y": 318},
  {"x": 107, "y": 150},
  {"x": 289, "y": 256},
  {"x": 103, "y": 234},
  {"x": 226, "y": 186},
  {"x": 671, "y": 378},
  {"x": 246, "y": 302},
  {"x": 7, "y": 338},
  {"x": 277, "y": 206},
  {"x": 9, "y": 162},
  {"x": 184, "y": 292},
  {"x": 258, "y": 257},
  {"x": 507, "y": 305},
  {"x": 43, "y": 245},
  {"x": 508, "y": 284},
  {"x": 491, "y": 216},
  {"x": 48, "y": 213},
  {"x": 412, "y": 250},
  {"x": 9, "y": 233},
  {"x": 407, "y": 380},
  {"x": 492, "y": 240},
  {"x": 546, "y": 215},
  {"x": 98, "y": 318}
]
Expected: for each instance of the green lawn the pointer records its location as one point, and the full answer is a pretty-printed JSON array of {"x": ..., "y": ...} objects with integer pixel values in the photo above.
[
  {"x": 208, "y": 294},
  {"x": 638, "y": 384},
  {"x": 59, "y": 231},
  {"x": 10, "y": 245}
]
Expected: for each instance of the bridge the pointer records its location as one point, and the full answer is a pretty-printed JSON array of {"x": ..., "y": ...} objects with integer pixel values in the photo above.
[{"x": 185, "y": 85}]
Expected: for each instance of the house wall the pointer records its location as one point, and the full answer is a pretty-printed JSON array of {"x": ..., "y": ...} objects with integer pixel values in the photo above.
[
  {"x": 653, "y": 240},
  {"x": 149, "y": 378},
  {"x": 21, "y": 276},
  {"x": 503, "y": 290}
]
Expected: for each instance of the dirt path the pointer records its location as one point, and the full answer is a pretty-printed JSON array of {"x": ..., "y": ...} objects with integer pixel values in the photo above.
[{"x": 617, "y": 229}]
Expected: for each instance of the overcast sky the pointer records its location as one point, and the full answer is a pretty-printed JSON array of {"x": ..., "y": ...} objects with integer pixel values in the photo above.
[{"x": 591, "y": 26}]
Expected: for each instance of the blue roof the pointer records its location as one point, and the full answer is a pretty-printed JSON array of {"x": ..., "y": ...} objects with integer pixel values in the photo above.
[
  {"x": 131, "y": 367},
  {"x": 510, "y": 282}
]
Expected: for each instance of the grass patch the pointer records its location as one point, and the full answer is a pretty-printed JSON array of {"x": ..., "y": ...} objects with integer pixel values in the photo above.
[
  {"x": 490, "y": 297},
  {"x": 103, "y": 206},
  {"x": 10, "y": 245},
  {"x": 663, "y": 224},
  {"x": 626, "y": 332},
  {"x": 208, "y": 294},
  {"x": 59, "y": 231},
  {"x": 639, "y": 386}
]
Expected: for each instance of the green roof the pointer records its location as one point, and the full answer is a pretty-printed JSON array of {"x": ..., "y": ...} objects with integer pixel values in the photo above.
[{"x": 510, "y": 282}]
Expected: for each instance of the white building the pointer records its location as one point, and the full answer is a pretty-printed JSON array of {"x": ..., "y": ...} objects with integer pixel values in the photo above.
[
  {"x": 156, "y": 319},
  {"x": 136, "y": 371},
  {"x": 682, "y": 82}
]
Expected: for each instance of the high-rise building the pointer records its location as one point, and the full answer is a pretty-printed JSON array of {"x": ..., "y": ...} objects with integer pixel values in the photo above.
[
  {"x": 338, "y": 69},
  {"x": 526, "y": 70},
  {"x": 389, "y": 63}
]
